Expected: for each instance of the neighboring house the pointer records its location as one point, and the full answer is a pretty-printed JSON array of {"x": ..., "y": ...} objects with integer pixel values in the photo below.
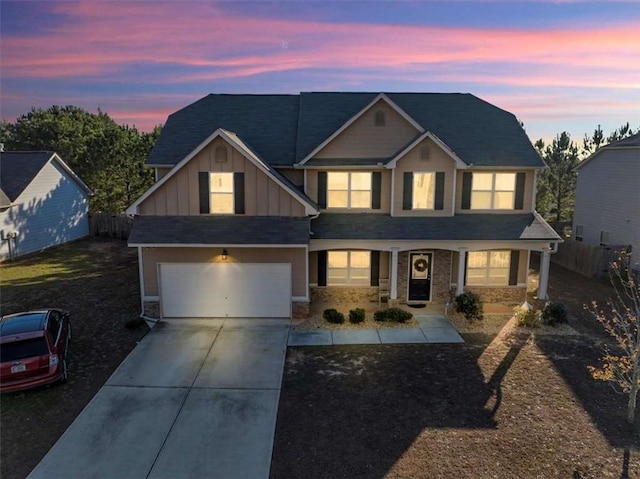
[
  {"x": 43, "y": 203},
  {"x": 265, "y": 203},
  {"x": 608, "y": 197}
]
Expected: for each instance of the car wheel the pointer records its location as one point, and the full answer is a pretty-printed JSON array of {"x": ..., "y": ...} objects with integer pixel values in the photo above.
[{"x": 63, "y": 378}]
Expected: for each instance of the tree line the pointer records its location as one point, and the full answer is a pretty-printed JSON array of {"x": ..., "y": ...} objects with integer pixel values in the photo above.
[
  {"x": 107, "y": 156},
  {"x": 110, "y": 157}
]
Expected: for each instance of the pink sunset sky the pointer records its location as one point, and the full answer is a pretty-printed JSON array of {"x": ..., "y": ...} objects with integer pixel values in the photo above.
[{"x": 558, "y": 66}]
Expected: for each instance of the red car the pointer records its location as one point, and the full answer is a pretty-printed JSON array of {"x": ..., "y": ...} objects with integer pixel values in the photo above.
[{"x": 33, "y": 349}]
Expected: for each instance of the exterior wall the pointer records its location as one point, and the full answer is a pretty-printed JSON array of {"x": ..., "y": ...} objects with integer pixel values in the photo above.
[
  {"x": 296, "y": 256},
  {"x": 52, "y": 210},
  {"x": 385, "y": 192},
  {"x": 344, "y": 294},
  {"x": 180, "y": 194},
  {"x": 608, "y": 199},
  {"x": 507, "y": 294},
  {"x": 528, "y": 205},
  {"x": 411, "y": 162},
  {"x": 362, "y": 139}
]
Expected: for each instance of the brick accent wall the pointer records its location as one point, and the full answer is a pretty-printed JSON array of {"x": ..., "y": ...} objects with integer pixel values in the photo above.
[
  {"x": 506, "y": 294},
  {"x": 152, "y": 309},
  {"x": 300, "y": 310},
  {"x": 343, "y": 294}
]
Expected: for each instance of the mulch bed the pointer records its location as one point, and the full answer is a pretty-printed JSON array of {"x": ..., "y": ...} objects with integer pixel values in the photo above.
[{"x": 97, "y": 281}]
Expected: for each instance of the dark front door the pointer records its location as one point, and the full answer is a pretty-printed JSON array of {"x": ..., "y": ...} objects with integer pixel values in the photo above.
[{"x": 420, "y": 265}]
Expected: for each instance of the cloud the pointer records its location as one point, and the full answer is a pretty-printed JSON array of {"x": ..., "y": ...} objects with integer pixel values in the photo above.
[{"x": 201, "y": 43}]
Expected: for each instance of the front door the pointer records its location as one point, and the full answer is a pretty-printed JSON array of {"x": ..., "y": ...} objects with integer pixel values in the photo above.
[{"x": 420, "y": 266}]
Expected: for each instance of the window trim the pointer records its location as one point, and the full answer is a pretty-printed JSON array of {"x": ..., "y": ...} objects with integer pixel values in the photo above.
[
  {"x": 348, "y": 268},
  {"x": 212, "y": 193},
  {"x": 349, "y": 190},
  {"x": 493, "y": 191},
  {"x": 487, "y": 269}
]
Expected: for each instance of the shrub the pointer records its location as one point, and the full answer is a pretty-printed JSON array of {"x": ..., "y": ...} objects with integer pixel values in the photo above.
[
  {"x": 333, "y": 316},
  {"x": 380, "y": 316},
  {"x": 470, "y": 305},
  {"x": 527, "y": 316},
  {"x": 392, "y": 314},
  {"x": 554, "y": 312},
  {"x": 356, "y": 315}
]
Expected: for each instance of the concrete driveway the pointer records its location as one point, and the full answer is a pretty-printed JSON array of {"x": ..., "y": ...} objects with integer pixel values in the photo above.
[{"x": 196, "y": 398}]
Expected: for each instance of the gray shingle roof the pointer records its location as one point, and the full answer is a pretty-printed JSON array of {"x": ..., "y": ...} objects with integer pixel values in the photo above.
[
  {"x": 469, "y": 227},
  {"x": 266, "y": 122},
  {"x": 18, "y": 169},
  {"x": 219, "y": 230},
  {"x": 284, "y": 129},
  {"x": 633, "y": 140}
]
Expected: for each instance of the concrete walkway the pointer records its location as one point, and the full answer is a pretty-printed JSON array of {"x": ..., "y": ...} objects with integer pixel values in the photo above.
[
  {"x": 196, "y": 398},
  {"x": 431, "y": 329}
]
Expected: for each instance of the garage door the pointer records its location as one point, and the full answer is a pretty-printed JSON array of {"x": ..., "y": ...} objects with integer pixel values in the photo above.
[{"x": 234, "y": 290}]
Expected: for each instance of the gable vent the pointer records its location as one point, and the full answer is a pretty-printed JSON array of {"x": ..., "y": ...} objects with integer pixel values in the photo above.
[
  {"x": 425, "y": 153},
  {"x": 380, "y": 119},
  {"x": 221, "y": 154}
]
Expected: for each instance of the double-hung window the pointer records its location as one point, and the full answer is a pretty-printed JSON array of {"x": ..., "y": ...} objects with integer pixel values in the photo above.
[
  {"x": 424, "y": 186},
  {"x": 493, "y": 191},
  {"x": 222, "y": 198},
  {"x": 488, "y": 268},
  {"x": 348, "y": 189},
  {"x": 348, "y": 268}
]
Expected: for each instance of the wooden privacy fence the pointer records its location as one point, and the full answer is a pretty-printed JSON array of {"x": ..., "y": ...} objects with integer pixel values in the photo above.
[
  {"x": 114, "y": 226},
  {"x": 587, "y": 259}
]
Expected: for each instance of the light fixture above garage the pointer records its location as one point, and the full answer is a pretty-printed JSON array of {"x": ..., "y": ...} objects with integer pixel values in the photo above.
[{"x": 224, "y": 254}]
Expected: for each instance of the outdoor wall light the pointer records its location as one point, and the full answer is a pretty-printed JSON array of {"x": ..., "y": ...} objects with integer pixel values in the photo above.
[{"x": 224, "y": 254}]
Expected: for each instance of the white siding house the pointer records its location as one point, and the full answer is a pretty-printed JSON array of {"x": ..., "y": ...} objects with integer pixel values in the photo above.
[
  {"x": 43, "y": 203},
  {"x": 608, "y": 197}
]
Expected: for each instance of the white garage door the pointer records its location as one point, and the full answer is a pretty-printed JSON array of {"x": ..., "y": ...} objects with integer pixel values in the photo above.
[{"x": 234, "y": 290}]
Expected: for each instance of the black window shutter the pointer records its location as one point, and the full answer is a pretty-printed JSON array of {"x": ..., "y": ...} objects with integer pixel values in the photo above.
[
  {"x": 322, "y": 189},
  {"x": 322, "y": 268},
  {"x": 439, "y": 202},
  {"x": 407, "y": 191},
  {"x": 513, "y": 268},
  {"x": 376, "y": 189},
  {"x": 375, "y": 268},
  {"x": 238, "y": 193},
  {"x": 203, "y": 181},
  {"x": 466, "y": 264},
  {"x": 520, "y": 178},
  {"x": 466, "y": 190}
]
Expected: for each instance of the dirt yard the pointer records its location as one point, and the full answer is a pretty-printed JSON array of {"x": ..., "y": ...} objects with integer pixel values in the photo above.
[
  {"x": 519, "y": 404},
  {"x": 97, "y": 281}
]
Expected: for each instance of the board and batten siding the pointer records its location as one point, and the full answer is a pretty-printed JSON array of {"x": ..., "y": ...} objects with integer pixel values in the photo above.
[
  {"x": 179, "y": 196},
  {"x": 363, "y": 139},
  {"x": 608, "y": 199},
  {"x": 51, "y": 210},
  {"x": 294, "y": 255}
]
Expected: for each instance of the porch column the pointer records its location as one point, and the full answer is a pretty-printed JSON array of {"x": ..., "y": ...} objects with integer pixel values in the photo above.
[
  {"x": 462, "y": 258},
  {"x": 544, "y": 273},
  {"x": 393, "y": 277}
]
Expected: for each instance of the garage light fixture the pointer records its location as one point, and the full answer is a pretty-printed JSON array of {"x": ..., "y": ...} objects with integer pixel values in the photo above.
[{"x": 224, "y": 254}]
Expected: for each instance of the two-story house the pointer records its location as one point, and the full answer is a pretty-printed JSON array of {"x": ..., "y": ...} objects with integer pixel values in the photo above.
[
  {"x": 265, "y": 203},
  {"x": 610, "y": 217}
]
